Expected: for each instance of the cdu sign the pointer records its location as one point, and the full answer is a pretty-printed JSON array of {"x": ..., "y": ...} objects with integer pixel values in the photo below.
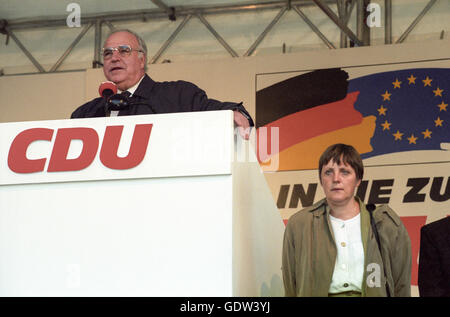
[{"x": 18, "y": 161}]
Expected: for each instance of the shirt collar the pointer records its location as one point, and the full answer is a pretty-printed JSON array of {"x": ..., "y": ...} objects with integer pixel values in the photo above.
[
  {"x": 318, "y": 211},
  {"x": 131, "y": 90}
]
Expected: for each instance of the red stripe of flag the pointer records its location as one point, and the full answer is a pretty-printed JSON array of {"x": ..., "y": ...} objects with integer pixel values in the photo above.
[{"x": 306, "y": 124}]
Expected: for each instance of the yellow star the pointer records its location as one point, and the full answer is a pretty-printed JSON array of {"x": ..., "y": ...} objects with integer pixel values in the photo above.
[
  {"x": 398, "y": 135},
  {"x": 396, "y": 83},
  {"x": 412, "y": 139},
  {"x": 386, "y": 125},
  {"x": 427, "y": 81},
  {"x": 438, "y": 92},
  {"x": 427, "y": 134},
  {"x": 386, "y": 96},
  {"x": 412, "y": 79},
  {"x": 442, "y": 106},
  {"x": 382, "y": 110},
  {"x": 438, "y": 122}
]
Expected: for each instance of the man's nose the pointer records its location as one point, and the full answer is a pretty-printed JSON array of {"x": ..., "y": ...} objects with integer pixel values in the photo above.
[{"x": 115, "y": 55}]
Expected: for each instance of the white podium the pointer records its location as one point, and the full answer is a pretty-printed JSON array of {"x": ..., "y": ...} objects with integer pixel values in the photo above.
[{"x": 154, "y": 205}]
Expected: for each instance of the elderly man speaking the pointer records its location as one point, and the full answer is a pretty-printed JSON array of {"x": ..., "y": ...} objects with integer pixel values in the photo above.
[{"x": 125, "y": 64}]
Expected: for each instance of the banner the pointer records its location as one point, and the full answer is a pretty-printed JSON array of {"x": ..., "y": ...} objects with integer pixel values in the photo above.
[{"x": 395, "y": 115}]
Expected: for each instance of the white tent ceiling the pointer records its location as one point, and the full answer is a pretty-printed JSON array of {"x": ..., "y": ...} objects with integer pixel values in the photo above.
[{"x": 39, "y": 27}]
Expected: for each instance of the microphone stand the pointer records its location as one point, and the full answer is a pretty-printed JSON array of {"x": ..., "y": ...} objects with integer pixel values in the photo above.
[
  {"x": 141, "y": 103},
  {"x": 119, "y": 102}
]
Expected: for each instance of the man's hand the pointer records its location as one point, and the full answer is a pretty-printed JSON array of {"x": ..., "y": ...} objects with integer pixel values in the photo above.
[{"x": 242, "y": 124}]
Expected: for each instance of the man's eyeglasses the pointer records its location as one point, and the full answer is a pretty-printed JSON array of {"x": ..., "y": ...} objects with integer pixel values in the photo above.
[{"x": 124, "y": 50}]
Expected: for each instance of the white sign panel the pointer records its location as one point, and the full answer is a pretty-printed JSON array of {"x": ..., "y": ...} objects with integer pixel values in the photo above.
[{"x": 162, "y": 145}]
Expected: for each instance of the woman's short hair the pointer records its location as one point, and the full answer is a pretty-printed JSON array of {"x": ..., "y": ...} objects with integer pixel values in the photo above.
[{"x": 348, "y": 154}]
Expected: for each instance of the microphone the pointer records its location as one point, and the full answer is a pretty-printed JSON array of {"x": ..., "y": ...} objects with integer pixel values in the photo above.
[
  {"x": 117, "y": 102},
  {"x": 113, "y": 100},
  {"x": 107, "y": 89}
]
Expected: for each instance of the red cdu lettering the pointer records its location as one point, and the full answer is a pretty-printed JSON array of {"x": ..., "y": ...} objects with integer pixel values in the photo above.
[
  {"x": 17, "y": 156},
  {"x": 138, "y": 147},
  {"x": 59, "y": 161}
]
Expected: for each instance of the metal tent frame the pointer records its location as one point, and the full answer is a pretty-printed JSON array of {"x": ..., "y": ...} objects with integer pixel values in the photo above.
[{"x": 186, "y": 13}]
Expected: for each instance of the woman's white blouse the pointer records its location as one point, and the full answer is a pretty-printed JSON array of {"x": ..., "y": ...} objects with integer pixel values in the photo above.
[{"x": 349, "y": 266}]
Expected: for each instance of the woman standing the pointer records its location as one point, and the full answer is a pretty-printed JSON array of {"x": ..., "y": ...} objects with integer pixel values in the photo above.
[{"x": 331, "y": 249}]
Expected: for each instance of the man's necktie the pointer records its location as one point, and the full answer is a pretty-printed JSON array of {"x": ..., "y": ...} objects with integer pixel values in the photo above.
[{"x": 126, "y": 93}]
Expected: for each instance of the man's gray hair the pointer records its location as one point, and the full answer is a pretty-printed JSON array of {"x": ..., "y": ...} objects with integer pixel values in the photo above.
[{"x": 141, "y": 42}]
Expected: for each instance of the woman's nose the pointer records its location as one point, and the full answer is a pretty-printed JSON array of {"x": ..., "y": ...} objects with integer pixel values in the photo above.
[{"x": 336, "y": 177}]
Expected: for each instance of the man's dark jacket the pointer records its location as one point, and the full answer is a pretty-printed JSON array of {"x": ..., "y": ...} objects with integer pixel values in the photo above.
[
  {"x": 434, "y": 260},
  {"x": 161, "y": 97}
]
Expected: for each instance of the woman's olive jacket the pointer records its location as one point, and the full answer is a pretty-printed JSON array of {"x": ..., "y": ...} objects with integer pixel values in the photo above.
[{"x": 309, "y": 253}]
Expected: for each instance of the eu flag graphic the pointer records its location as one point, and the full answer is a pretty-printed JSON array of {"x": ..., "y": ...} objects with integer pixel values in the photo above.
[{"x": 410, "y": 106}]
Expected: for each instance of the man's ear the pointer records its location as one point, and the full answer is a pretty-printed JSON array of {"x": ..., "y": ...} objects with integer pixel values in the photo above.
[{"x": 143, "y": 60}]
